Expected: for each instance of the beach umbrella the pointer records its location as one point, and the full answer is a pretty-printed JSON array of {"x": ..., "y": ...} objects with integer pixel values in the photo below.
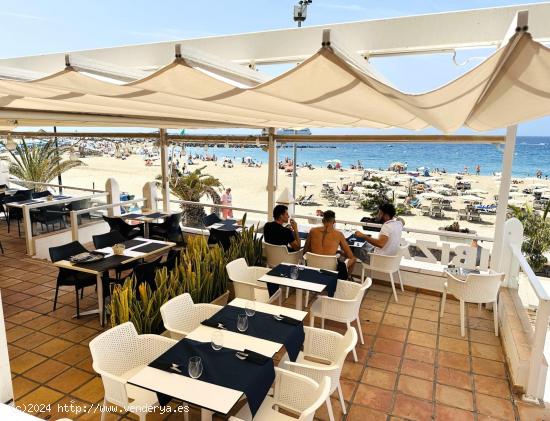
[
  {"x": 516, "y": 194},
  {"x": 431, "y": 195},
  {"x": 333, "y": 161}
]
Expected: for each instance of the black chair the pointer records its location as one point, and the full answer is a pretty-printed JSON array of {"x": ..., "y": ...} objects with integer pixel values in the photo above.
[
  {"x": 49, "y": 215},
  {"x": 109, "y": 239},
  {"x": 40, "y": 194},
  {"x": 79, "y": 205},
  {"x": 169, "y": 230},
  {"x": 145, "y": 273},
  {"x": 17, "y": 213},
  {"x": 211, "y": 219},
  {"x": 222, "y": 237},
  {"x": 3, "y": 197},
  {"x": 67, "y": 277},
  {"x": 172, "y": 259},
  {"x": 128, "y": 231}
]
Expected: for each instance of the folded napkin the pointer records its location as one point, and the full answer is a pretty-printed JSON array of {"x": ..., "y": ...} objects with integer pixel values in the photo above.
[
  {"x": 211, "y": 323},
  {"x": 290, "y": 320},
  {"x": 255, "y": 357}
]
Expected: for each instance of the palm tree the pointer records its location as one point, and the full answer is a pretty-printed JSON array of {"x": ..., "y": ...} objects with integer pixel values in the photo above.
[
  {"x": 40, "y": 163},
  {"x": 193, "y": 187}
]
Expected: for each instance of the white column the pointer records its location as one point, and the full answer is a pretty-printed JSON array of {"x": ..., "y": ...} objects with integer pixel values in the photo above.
[
  {"x": 6, "y": 388},
  {"x": 271, "y": 173},
  {"x": 150, "y": 194},
  {"x": 503, "y": 193},
  {"x": 113, "y": 196},
  {"x": 165, "y": 185}
]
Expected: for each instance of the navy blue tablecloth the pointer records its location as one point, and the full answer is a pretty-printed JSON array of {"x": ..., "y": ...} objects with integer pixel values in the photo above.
[
  {"x": 221, "y": 368},
  {"x": 323, "y": 277},
  {"x": 264, "y": 326}
]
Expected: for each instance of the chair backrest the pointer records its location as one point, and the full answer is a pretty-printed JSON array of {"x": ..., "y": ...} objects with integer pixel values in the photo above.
[
  {"x": 210, "y": 219},
  {"x": 176, "y": 313},
  {"x": 23, "y": 195},
  {"x": 280, "y": 254},
  {"x": 108, "y": 239},
  {"x": 238, "y": 274},
  {"x": 66, "y": 250},
  {"x": 386, "y": 264},
  {"x": 117, "y": 224},
  {"x": 321, "y": 261},
  {"x": 80, "y": 204},
  {"x": 480, "y": 288},
  {"x": 172, "y": 222},
  {"x": 39, "y": 194},
  {"x": 221, "y": 237},
  {"x": 145, "y": 273},
  {"x": 172, "y": 259}
]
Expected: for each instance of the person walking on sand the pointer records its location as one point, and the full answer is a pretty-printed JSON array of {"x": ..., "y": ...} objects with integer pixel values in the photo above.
[
  {"x": 227, "y": 200},
  {"x": 478, "y": 169}
]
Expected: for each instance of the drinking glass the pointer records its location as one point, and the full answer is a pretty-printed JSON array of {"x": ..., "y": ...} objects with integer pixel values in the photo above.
[
  {"x": 217, "y": 341},
  {"x": 250, "y": 308},
  {"x": 242, "y": 322},
  {"x": 195, "y": 367},
  {"x": 294, "y": 272}
]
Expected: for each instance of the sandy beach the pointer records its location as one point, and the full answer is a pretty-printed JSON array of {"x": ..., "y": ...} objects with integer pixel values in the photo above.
[{"x": 249, "y": 187}]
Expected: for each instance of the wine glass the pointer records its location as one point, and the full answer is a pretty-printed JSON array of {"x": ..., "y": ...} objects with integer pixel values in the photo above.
[
  {"x": 217, "y": 341},
  {"x": 195, "y": 367},
  {"x": 250, "y": 308},
  {"x": 294, "y": 272},
  {"x": 242, "y": 322}
]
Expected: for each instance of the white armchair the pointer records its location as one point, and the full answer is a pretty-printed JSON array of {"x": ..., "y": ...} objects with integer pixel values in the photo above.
[
  {"x": 384, "y": 264},
  {"x": 276, "y": 255},
  {"x": 320, "y": 261},
  {"x": 117, "y": 355},
  {"x": 343, "y": 307},
  {"x": 477, "y": 288},
  {"x": 292, "y": 392},
  {"x": 246, "y": 284},
  {"x": 180, "y": 315},
  {"x": 324, "y": 354}
]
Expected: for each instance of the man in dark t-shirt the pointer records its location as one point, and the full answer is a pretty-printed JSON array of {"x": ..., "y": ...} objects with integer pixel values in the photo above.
[{"x": 278, "y": 234}]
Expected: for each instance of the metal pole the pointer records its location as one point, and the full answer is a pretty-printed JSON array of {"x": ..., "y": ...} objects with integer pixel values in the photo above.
[
  {"x": 272, "y": 173},
  {"x": 294, "y": 171},
  {"x": 503, "y": 193},
  {"x": 59, "y": 180},
  {"x": 164, "y": 170}
]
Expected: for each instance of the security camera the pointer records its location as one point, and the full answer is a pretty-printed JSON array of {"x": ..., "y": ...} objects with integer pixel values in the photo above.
[{"x": 300, "y": 11}]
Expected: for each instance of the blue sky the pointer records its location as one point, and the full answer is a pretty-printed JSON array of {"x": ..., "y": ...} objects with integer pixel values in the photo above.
[{"x": 36, "y": 26}]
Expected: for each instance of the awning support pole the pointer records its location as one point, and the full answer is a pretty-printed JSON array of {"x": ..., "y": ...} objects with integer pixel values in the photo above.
[
  {"x": 272, "y": 172},
  {"x": 165, "y": 185},
  {"x": 503, "y": 194}
]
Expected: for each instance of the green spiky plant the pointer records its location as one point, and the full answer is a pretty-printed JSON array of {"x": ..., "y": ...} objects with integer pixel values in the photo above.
[{"x": 40, "y": 163}]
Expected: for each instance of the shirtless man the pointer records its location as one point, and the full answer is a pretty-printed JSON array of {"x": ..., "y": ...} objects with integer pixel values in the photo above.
[{"x": 327, "y": 240}]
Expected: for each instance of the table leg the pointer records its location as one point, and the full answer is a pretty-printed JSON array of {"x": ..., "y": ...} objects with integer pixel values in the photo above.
[
  {"x": 206, "y": 415},
  {"x": 298, "y": 299},
  {"x": 146, "y": 229},
  {"x": 27, "y": 224},
  {"x": 100, "y": 302}
]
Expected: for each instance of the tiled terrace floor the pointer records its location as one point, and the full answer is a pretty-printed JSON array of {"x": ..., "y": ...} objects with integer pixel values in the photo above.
[{"x": 413, "y": 364}]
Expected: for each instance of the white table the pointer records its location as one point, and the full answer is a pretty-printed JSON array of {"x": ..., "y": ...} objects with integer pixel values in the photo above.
[
  {"x": 132, "y": 255},
  {"x": 295, "y": 283},
  {"x": 144, "y": 217},
  {"x": 210, "y": 397}
]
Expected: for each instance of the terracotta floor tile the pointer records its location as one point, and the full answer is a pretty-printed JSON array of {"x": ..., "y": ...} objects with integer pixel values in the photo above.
[
  {"x": 22, "y": 317},
  {"x": 53, "y": 347},
  {"x": 40, "y": 322},
  {"x": 494, "y": 407},
  {"x": 86, "y": 365},
  {"x": 395, "y": 320},
  {"x": 17, "y": 332},
  {"x": 369, "y": 328},
  {"x": 80, "y": 334},
  {"x": 452, "y": 331},
  {"x": 424, "y": 326},
  {"x": 33, "y": 340},
  {"x": 427, "y": 304},
  {"x": 413, "y": 386},
  {"x": 454, "y": 360},
  {"x": 371, "y": 315},
  {"x": 91, "y": 391},
  {"x": 321, "y": 414},
  {"x": 488, "y": 367},
  {"x": 362, "y": 413},
  {"x": 379, "y": 378},
  {"x": 14, "y": 351},
  {"x": 22, "y": 386},
  {"x": 59, "y": 328},
  {"x": 73, "y": 355},
  {"x": 484, "y": 337},
  {"x": 423, "y": 314},
  {"x": 417, "y": 369},
  {"x": 488, "y": 352},
  {"x": 412, "y": 408},
  {"x": 42, "y": 395},
  {"x": 422, "y": 339},
  {"x": 420, "y": 353},
  {"x": 448, "y": 413},
  {"x": 46, "y": 371},
  {"x": 450, "y": 319},
  {"x": 453, "y": 345},
  {"x": 492, "y": 386},
  {"x": 69, "y": 380},
  {"x": 352, "y": 371},
  {"x": 384, "y": 361},
  {"x": 481, "y": 324},
  {"x": 452, "y": 396},
  {"x": 373, "y": 397},
  {"x": 529, "y": 412},
  {"x": 456, "y": 378},
  {"x": 391, "y": 332},
  {"x": 398, "y": 309},
  {"x": 388, "y": 346},
  {"x": 25, "y": 361}
]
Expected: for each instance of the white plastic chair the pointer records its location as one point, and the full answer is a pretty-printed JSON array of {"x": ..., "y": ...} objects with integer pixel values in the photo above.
[
  {"x": 320, "y": 261},
  {"x": 180, "y": 315},
  {"x": 343, "y": 307},
  {"x": 276, "y": 255},
  {"x": 291, "y": 392},
  {"x": 246, "y": 284},
  {"x": 385, "y": 264},
  {"x": 327, "y": 351},
  {"x": 117, "y": 355},
  {"x": 477, "y": 288}
]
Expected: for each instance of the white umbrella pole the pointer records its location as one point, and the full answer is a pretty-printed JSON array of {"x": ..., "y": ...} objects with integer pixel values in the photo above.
[{"x": 294, "y": 153}]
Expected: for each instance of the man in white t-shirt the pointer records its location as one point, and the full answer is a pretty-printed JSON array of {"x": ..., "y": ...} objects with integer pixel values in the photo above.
[{"x": 389, "y": 239}]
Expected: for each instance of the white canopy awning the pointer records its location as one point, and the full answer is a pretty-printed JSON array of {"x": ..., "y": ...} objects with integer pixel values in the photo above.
[{"x": 330, "y": 89}]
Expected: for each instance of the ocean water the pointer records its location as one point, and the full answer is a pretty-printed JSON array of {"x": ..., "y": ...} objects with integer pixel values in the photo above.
[{"x": 532, "y": 153}]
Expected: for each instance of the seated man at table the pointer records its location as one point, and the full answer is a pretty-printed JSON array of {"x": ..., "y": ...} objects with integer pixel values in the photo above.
[
  {"x": 278, "y": 233},
  {"x": 389, "y": 239},
  {"x": 327, "y": 240}
]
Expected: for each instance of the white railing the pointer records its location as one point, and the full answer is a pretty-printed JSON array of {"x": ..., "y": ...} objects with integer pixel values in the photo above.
[
  {"x": 25, "y": 183},
  {"x": 513, "y": 262}
]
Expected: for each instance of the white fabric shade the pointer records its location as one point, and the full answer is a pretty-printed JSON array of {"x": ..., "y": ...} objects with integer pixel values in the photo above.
[{"x": 327, "y": 90}]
